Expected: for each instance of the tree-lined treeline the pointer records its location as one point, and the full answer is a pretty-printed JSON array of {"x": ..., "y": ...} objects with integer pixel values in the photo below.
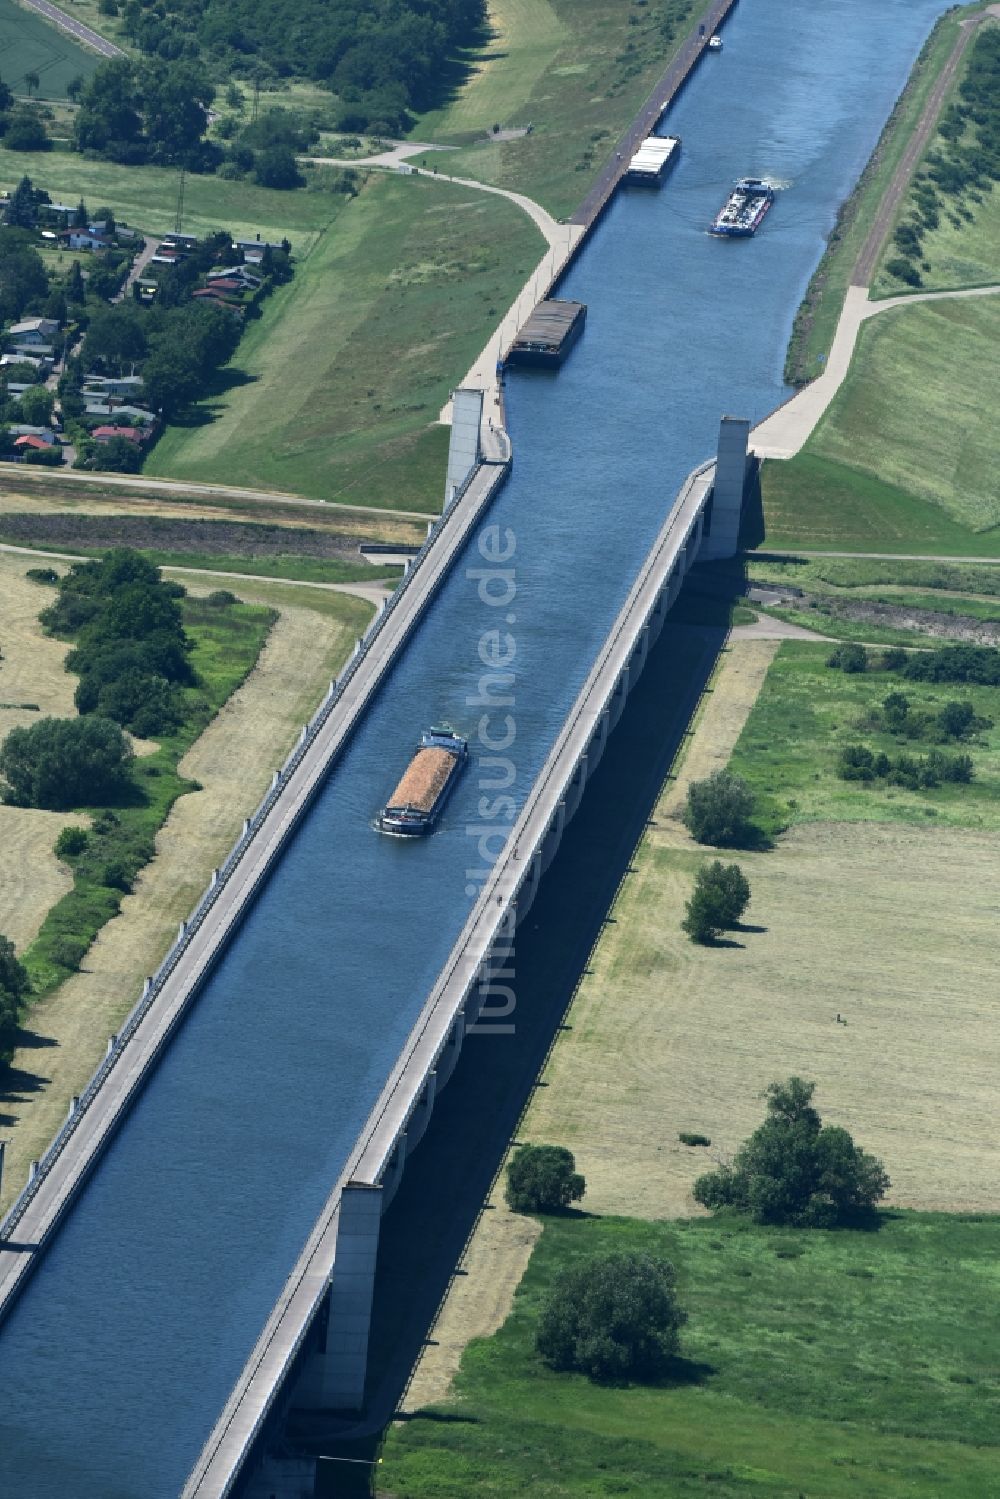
[
  {"x": 964, "y": 163},
  {"x": 382, "y": 58}
]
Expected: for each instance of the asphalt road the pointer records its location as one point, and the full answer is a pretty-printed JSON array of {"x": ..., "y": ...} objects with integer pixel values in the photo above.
[{"x": 84, "y": 34}]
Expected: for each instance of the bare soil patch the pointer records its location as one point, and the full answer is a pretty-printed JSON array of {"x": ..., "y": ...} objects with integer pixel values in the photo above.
[
  {"x": 213, "y": 538},
  {"x": 233, "y": 761}
]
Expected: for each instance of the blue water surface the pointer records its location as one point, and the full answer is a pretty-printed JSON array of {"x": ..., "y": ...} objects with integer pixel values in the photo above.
[{"x": 120, "y": 1354}]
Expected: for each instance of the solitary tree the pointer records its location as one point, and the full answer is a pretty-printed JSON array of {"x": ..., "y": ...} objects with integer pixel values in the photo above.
[
  {"x": 31, "y": 83},
  {"x": 718, "y": 810},
  {"x": 721, "y": 894},
  {"x": 615, "y": 1317},
  {"x": 796, "y": 1170},
  {"x": 542, "y": 1179}
]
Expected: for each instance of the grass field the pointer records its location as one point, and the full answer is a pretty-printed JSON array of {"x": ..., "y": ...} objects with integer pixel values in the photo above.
[
  {"x": 832, "y": 1365},
  {"x": 28, "y": 44},
  {"x": 577, "y": 74},
  {"x": 346, "y": 372},
  {"x": 813, "y": 502},
  {"x": 226, "y": 770},
  {"x": 916, "y": 410},
  {"x": 147, "y": 197},
  {"x": 817, "y": 318},
  {"x": 807, "y": 712},
  {"x": 845, "y": 574}
]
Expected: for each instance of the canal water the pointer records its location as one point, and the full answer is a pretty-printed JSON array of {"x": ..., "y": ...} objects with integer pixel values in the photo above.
[{"x": 120, "y": 1354}]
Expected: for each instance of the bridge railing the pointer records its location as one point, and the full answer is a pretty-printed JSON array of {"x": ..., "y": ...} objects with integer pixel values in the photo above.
[{"x": 221, "y": 877}]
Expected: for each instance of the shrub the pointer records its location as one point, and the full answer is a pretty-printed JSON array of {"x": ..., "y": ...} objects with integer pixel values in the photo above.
[
  {"x": 116, "y": 876},
  {"x": 65, "y": 762},
  {"x": 795, "y": 1170},
  {"x": 221, "y": 599},
  {"x": 68, "y": 952},
  {"x": 721, "y": 894},
  {"x": 615, "y": 1317},
  {"x": 852, "y": 658},
  {"x": 687, "y": 1138},
  {"x": 542, "y": 1179},
  {"x": 718, "y": 810},
  {"x": 42, "y": 575},
  {"x": 856, "y": 763},
  {"x": 71, "y": 841},
  {"x": 894, "y": 658}
]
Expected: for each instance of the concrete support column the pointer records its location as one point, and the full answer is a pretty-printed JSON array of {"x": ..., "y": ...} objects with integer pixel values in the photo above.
[
  {"x": 337, "y": 1379},
  {"x": 421, "y": 1116},
  {"x": 595, "y": 749},
  {"x": 574, "y": 791},
  {"x": 638, "y": 659},
  {"x": 553, "y": 838},
  {"x": 616, "y": 703},
  {"x": 727, "y": 495},
  {"x": 448, "y": 1060},
  {"x": 526, "y": 894}
]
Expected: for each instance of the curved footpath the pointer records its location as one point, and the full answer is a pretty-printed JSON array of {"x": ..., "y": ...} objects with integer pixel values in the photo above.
[{"x": 785, "y": 431}]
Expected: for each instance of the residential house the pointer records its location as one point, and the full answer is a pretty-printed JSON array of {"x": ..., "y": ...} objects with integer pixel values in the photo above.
[
  {"x": 34, "y": 330},
  {"x": 103, "y": 386},
  {"x": 238, "y": 273},
  {"x": 183, "y": 242},
  {"x": 29, "y": 440},
  {"x": 131, "y": 434},
  {"x": 18, "y": 357},
  {"x": 86, "y": 239},
  {"x": 22, "y": 429},
  {"x": 119, "y": 408}
]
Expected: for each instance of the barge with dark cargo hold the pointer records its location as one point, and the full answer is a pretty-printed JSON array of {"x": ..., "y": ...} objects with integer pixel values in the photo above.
[
  {"x": 548, "y": 334},
  {"x": 745, "y": 208},
  {"x": 417, "y": 802}
]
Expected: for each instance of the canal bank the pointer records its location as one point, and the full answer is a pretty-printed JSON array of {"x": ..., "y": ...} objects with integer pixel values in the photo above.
[{"x": 224, "y": 1165}]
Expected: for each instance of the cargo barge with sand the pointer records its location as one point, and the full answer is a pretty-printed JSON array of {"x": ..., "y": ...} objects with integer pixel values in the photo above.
[
  {"x": 417, "y": 802},
  {"x": 548, "y": 334}
]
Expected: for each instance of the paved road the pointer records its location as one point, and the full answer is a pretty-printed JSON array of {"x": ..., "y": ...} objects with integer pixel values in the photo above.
[
  {"x": 785, "y": 431},
  {"x": 149, "y": 249},
  {"x": 864, "y": 266},
  {"x": 77, "y": 29}
]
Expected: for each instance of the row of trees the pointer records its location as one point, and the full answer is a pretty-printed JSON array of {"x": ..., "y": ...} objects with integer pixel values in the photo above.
[
  {"x": 964, "y": 164},
  {"x": 14, "y": 988},
  {"x": 132, "y": 652}
]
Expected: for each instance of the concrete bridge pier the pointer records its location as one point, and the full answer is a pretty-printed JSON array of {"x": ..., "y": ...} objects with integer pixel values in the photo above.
[
  {"x": 421, "y": 1116},
  {"x": 448, "y": 1059},
  {"x": 336, "y": 1378},
  {"x": 283, "y": 1478},
  {"x": 575, "y": 788},
  {"x": 553, "y": 837},
  {"x": 618, "y": 699},
  {"x": 722, "y": 537},
  {"x": 599, "y": 738},
  {"x": 638, "y": 659},
  {"x": 529, "y": 888}
]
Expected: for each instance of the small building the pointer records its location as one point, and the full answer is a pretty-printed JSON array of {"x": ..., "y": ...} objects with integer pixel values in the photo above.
[
  {"x": 185, "y": 242},
  {"x": 236, "y": 273},
  {"x": 132, "y": 414},
  {"x": 131, "y": 434},
  {"x": 39, "y": 444},
  {"x": 7, "y": 360},
  {"x": 22, "y": 429},
  {"x": 112, "y": 385},
  {"x": 86, "y": 239},
  {"x": 34, "y": 330}
]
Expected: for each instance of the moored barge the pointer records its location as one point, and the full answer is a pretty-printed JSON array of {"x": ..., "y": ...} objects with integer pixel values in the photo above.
[
  {"x": 548, "y": 334},
  {"x": 418, "y": 800},
  {"x": 653, "y": 160},
  {"x": 745, "y": 208}
]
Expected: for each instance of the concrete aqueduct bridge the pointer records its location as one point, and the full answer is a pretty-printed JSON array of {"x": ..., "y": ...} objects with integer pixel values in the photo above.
[{"x": 331, "y": 1285}]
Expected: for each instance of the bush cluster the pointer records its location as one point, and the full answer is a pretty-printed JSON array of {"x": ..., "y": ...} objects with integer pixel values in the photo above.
[
  {"x": 614, "y": 1317},
  {"x": 132, "y": 651},
  {"x": 721, "y": 895},
  {"x": 915, "y": 772},
  {"x": 542, "y": 1179},
  {"x": 14, "y": 987},
  {"x": 796, "y": 1170},
  {"x": 718, "y": 811}
]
